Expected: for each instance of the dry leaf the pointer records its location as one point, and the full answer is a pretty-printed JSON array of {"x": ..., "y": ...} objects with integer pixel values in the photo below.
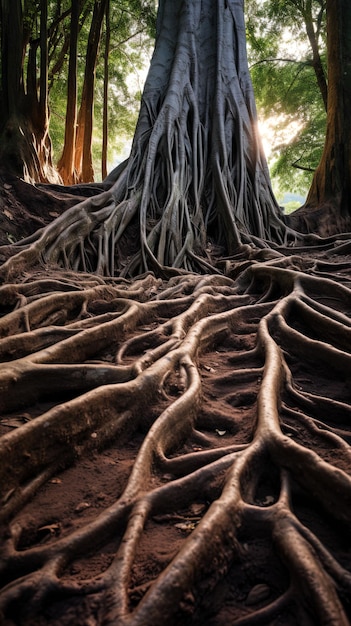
[
  {"x": 53, "y": 529},
  {"x": 8, "y": 214},
  {"x": 187, "y": 526}
]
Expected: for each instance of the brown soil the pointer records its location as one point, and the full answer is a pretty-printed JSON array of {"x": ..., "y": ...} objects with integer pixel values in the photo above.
[{"x": 259, "y": 582}]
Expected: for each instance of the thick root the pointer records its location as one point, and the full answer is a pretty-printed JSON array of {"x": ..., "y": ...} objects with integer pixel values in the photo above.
[{"x": 177, "y": 451}]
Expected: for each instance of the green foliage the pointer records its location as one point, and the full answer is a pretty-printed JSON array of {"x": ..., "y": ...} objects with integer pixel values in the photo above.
[
  {"x": 132, "y": 25},
  {"x": 286, "y": 87},
  {"x": 290, "y": 207}
]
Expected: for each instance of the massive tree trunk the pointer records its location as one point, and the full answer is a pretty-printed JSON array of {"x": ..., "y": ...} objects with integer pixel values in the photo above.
[
  {"x": 328, "y": 205},
  {"x": 196, "y": 180},
  {"x": 205, "y": 175}
]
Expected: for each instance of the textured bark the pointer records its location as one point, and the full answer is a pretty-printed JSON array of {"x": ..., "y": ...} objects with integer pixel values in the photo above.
[
  {"x": 219, "y": 404},
  {"x": 105, "y": 98},
  {"x": 196, "y": 183},
  {"x": 332, "y": 181},
  {"x": 65, "y": 165},
  {"x": 83, "y": 154},
  {"x": 312, "y": 34},
  {"x": 178, "y": 451}
]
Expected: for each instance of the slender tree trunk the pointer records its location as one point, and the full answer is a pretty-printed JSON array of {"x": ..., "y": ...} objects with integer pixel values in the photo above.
[
  {"x": 83, "y": 157},
  {"x": 65, "y": 165},
  {"x": 317, "y": 61},
  {"x": 331, "y": 185},
  {"x": 105, "y": 100}
]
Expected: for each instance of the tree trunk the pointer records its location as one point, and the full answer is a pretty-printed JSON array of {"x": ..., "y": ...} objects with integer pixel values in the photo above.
[
  {"x": 105, "y": 102},
  {"x": 65, "y": 165},
  {"x": 196, "y": 184},
  {"x": 331, "y": 185},
  {"x": 317, "y": 61},
  {"x": 197, "y": 141},
  {"x": 83, "y": 157}
]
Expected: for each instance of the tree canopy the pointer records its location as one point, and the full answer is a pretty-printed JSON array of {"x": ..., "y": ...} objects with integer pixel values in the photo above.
[{"x": 287, "y": 53}]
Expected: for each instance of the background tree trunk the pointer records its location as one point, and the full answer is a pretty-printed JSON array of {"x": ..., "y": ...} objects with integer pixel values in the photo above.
[
  {"x": 105, "y": 100},
  {"x": 317, "y": 61},
  {"x": 25, "y": 142},
  {"x": 331, "y": 185},
  {"x": 83, "y": 156},
  {"x": 65, "y": 165}
]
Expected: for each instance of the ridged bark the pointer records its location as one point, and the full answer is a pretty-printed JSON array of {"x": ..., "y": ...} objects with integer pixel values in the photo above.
[{"x": 332, "y": 181}]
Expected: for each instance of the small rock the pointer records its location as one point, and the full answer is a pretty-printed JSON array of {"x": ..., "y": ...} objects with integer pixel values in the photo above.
[
  {"x": 81, "y": 507},
  {"x": 268, "y": 500}
]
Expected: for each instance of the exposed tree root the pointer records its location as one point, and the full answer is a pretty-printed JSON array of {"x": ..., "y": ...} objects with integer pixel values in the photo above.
[{"x": 218, "y": 411}]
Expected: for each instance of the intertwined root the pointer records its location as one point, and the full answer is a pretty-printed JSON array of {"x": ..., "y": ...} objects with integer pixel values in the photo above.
[{"x": 210, "y": 420}]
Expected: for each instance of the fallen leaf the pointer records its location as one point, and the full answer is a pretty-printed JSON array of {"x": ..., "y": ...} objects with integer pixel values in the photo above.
[
  {"x": 187, "y": 526},
  {"x": 8, "y": 214},
  {"x": 15, "y": 422},
  {"x": 53, "y": 529},
  {"x": 258, "y": 593}
]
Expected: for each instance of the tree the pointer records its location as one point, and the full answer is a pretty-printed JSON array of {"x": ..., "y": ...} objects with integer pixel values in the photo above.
[
  {"x": 287, "y": 54},
  {"x": 25, "y": 141},
  {"x": 65, "y": 165},
  {"x": 83, "y": 153},
  {"x": 197, "y": 172},
  {"x": 217, "y": 402},
  {"x": 331, "y": 186},
  {"x": 105, "y": 100},
  {"x": 46, "y": 50}
]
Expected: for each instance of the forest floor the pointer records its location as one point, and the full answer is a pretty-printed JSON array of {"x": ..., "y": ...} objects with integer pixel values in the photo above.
[{"x": 75, "y": 496}]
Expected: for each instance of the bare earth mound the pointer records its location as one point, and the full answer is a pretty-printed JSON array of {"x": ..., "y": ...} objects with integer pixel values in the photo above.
[{"x": 177, "y": 452}]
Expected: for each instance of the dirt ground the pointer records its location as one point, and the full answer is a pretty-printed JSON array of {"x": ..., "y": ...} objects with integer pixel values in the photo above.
[{"x": 76, "y": 495}]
